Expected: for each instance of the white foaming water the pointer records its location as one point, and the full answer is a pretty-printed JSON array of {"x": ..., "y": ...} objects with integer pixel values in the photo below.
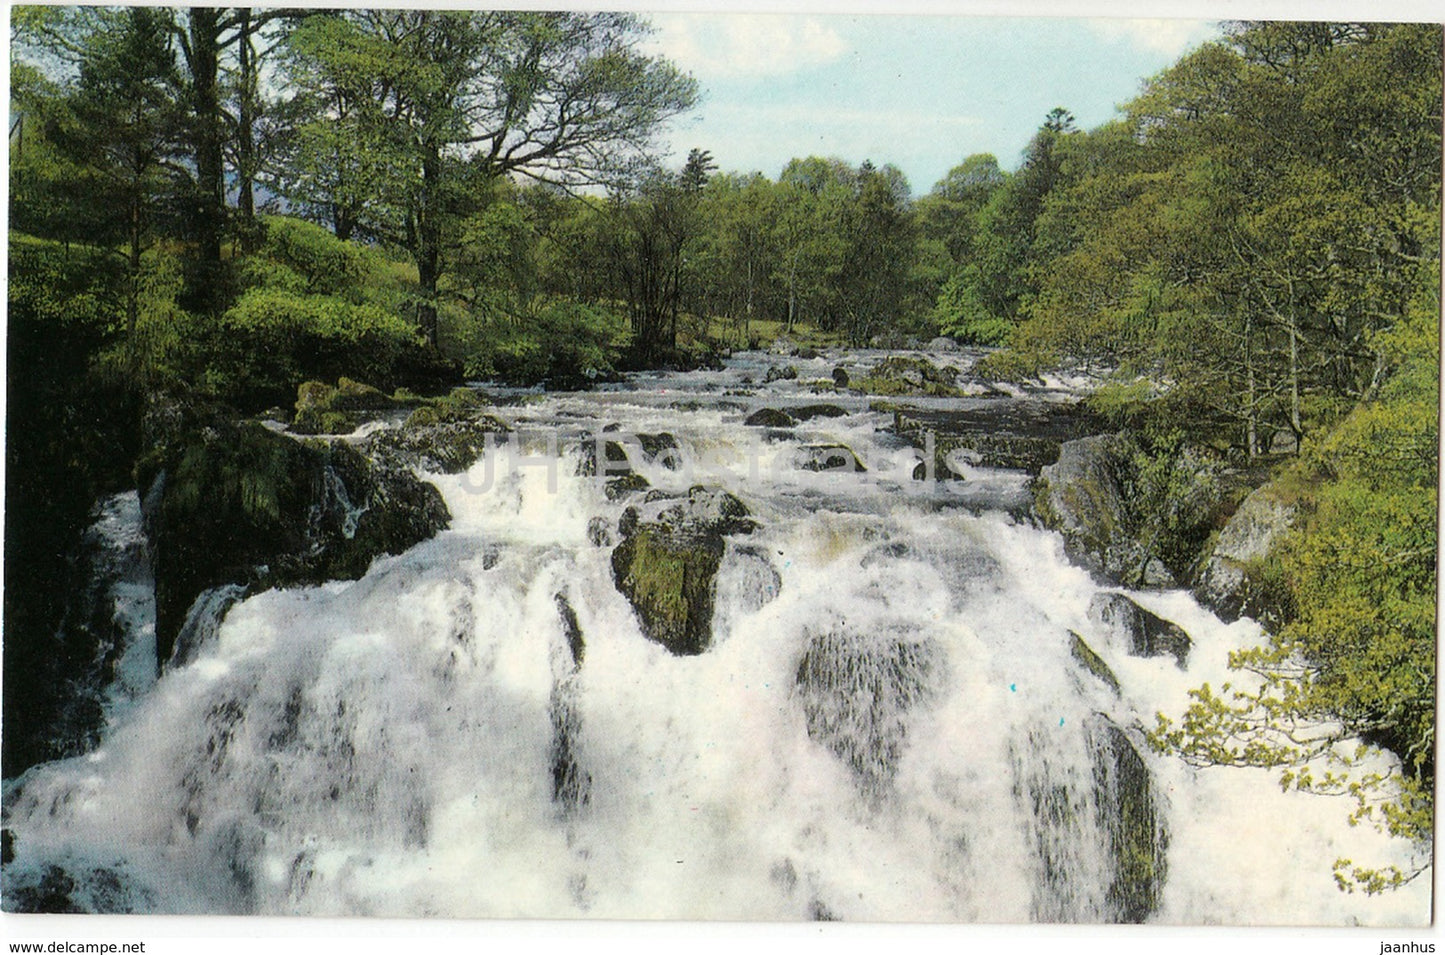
[{"x": 890, "y": 724}]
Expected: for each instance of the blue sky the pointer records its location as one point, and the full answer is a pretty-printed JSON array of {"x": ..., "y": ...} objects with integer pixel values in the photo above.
[{"x": 921, "y": 92}]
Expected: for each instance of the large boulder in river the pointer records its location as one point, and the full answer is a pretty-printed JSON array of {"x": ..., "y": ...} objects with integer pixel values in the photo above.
[
  {"x": 1135, "y": 519},
  {"x": 1145, "y": 634},
  {"x": 1133, "y": 825},
  {"x": 238, "y": 503},
  {"x": 770, "y": 418},
  {"x": 1223, "y": 583},
  {"x": 667, "y": 566},
  {"x": 1083, "y": 496},
  {"x": 337, "y": 409}
]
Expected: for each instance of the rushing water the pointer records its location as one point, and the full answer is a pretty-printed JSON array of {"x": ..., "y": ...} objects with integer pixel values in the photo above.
[{"x": 891, "y": 722}]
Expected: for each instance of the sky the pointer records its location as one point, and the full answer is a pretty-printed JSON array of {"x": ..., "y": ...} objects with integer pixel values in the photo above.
[{"x": 921, "y": 92}]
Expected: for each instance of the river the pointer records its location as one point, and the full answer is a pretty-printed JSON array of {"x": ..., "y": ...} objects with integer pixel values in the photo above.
[{"x": 890, "y": 719}]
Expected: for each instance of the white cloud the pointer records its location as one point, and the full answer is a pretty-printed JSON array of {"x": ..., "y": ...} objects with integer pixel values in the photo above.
[
  {"x": 746, "y": 44},
  {"x": 1168, "y": 36}
]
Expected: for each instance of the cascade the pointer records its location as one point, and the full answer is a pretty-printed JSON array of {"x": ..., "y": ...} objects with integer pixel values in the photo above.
[{"x": 903, "y": 707}]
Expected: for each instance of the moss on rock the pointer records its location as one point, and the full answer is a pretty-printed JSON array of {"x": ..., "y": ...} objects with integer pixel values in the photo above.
[
  {"x": 1085, "y": 656},
  {"x": 240, "y": 503},
  {"x": 667, "y": 566},
  {"x": 669, "y": 581}
]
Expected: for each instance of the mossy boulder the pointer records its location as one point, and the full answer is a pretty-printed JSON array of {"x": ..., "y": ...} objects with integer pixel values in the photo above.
[
  {"x": 239, "y": 503},
  {"x": 785, "y": 373},
  {"x": 770, "y": 418},
  {"x": 339, "y": 408},
  {"x": 1085, "y": 496},
  {"x": 667, "y": 566},
  {"x": 909, "y": 375},
  {"x": 446, "y": 435},
  {"x": 1226, "y": 583},
  {"x": 669, "y": 581}
]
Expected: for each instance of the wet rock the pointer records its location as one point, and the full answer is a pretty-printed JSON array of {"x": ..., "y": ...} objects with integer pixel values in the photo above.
[
  {"x": 707, "y": 511},
  {"x": 661, "y": 449},
  {"x": 614, "y": 457},
  {"x": 667, "y": 566},
  {"x": 1085, "y": 656},
  {"x": 571, "y": 629},
  {"x": 1145, "y": 634},
  {"x": 238, "y": 503},
  {"x": 1132, "y": 822},
  {"x": 203, "y": 621},
  {"x": 840, "y": 377},
  {"x": 1083, "y": 497},
  {"x": 827, "y": 457},
  {"x": 807, "y": 354},
  {"x": 857, "y": 690},
  {"x": 625, "y": 484},
  {"x": 770, "y": 418},
  {"x": 599, "y": 534},
  {"x": 628, "y": 523},
  {"x": 785, "y": 373},
  {"x": 74, "y": 889},
  {"x": 943, "y": 344},
  {"x": 809, "y": 412},
  {"x": 1223, "y": 583},
  {"x": 445, "y": 438},
  {"x": 1020, "y": 435}
]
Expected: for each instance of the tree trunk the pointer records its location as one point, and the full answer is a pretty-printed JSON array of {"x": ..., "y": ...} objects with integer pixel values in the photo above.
[
  {"x": 427, "y": 270},
  {"x": 205, "y": 29},
  {"x": 1294, "y": 412},
  {"x": 428, "y": 248},
  {"x": 1250, "y": 411},
  {"x": 748, "y": 306},
  {"x": 132, "y": 305},
  {"x": 246, "y": 136}
]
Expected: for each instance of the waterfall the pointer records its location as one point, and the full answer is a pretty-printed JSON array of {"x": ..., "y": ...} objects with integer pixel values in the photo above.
[{"x": 905, "y": 712}]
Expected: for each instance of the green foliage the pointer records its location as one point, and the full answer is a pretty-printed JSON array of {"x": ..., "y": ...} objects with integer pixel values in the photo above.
[
  {"x": 303, "y": 257},
  {"x": 560, "y": 341},
  {"x": 961, "y": 315},
  {"x": 273, "y": 337},
  {"x": 1355, "y": 656}
]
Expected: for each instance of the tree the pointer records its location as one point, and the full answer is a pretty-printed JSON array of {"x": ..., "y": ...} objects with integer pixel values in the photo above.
[
  {"x": 880, "y": 236},
  {"x": 949, "y": 213},
  {"x": 115, "y": 132},
  {"x": 647, "y": 233},
  {"x": 460, "y": 100}
]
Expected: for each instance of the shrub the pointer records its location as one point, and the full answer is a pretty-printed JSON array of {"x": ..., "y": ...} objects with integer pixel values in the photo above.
[
  {"x": 273, "y": 338},
  {"x": 562, "y": 342}
]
